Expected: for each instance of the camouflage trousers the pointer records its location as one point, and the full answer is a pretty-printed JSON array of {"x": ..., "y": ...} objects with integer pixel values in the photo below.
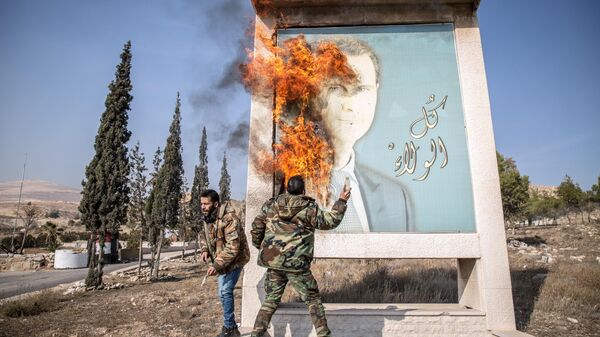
[{"x": 305, "y": 285}]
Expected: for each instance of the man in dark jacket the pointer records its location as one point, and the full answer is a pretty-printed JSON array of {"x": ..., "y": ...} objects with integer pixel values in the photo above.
[
  {"x": 284, "y": 234},
  {"x": 223, "y": 241}
]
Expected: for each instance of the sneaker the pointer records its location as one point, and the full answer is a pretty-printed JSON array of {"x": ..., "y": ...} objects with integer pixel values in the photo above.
[{"x": 229, "y": 332}]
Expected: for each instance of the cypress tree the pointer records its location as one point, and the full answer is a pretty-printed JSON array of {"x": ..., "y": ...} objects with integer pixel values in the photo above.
[
  {"x": 105, "y": 194},
  {"x": 138, "y": 185},
  {"x": 153, "y": 229},
  {"x": 200, "y": 182},
  {"x": 167, "y": 191},
  {"x": 225, "y": 182}
]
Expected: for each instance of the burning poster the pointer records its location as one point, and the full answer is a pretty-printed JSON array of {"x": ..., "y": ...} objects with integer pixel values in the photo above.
[{"x": 380, "y": 108}]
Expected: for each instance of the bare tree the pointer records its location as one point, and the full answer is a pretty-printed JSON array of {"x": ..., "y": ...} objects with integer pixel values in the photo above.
[{"x": 30, "y": 215}]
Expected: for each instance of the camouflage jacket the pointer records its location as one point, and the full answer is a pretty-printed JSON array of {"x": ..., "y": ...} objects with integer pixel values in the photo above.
[
  {"x": 284, "y": 230},
  {"x": 227, "y": 240}
]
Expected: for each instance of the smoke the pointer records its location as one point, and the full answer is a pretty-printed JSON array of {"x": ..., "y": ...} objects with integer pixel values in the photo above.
[
  {"x": 238, "y": 139},
  {"x": 216, "y": 103}
]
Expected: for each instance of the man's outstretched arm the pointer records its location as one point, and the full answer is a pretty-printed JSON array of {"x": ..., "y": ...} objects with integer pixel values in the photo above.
[{"x": 326, "y": 220}]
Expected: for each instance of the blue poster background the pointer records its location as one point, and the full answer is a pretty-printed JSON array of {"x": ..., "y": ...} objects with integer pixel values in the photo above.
[{"x": 416, "y": 62}]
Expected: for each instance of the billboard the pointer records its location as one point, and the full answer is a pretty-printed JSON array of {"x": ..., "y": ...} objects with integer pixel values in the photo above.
[{"x": 398, "y": 133}]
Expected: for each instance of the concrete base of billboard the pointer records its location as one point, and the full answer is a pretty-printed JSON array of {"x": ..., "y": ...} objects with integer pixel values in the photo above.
[{"x": 382, "y": 320}]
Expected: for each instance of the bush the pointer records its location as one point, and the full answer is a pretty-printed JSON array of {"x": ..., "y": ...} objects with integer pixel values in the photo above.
[
  {"x": 31, "y": 306},
  {"x": 133, "y": 239},
  {"x": 30, "y": 241},
  {"x": 40, "y": 240},
  {"x": 54, "y": 214},
  {"x": 73, "y": 236}
]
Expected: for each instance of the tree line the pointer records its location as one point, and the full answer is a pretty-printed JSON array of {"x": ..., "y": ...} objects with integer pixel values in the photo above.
[
  {"x": 118, "y": 190},
  {"x": 522, "y": 204}
]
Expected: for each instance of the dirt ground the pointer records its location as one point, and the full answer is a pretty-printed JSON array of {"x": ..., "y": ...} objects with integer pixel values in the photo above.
[
  {"x": 555, "y": 275},
  {"x": 174, "y": 306}
]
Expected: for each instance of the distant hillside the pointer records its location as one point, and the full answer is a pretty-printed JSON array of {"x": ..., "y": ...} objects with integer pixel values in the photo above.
[
  {"x": 543, "y": 189},
  {"x": 38, "y": 190}
]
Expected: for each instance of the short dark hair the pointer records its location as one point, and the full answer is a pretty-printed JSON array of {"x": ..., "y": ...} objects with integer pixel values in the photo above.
[
  {"x": 211, "y": 194},
  {"x": 295, "y": 185}
]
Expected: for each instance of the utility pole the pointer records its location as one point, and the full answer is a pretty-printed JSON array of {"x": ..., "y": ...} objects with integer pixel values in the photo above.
[{"x": 12, "y": 239}]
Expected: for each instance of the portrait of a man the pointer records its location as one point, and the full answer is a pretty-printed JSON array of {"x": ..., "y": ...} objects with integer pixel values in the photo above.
[
  {"x": 346, "y": 111},
  {"x": 397, "y": 132}
]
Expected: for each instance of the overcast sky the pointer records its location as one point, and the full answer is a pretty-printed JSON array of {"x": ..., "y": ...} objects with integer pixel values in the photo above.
[{"x": 59, "y": 56}]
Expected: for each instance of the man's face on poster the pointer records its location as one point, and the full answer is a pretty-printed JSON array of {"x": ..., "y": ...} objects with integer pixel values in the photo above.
[{"x": 349, "y": 108}]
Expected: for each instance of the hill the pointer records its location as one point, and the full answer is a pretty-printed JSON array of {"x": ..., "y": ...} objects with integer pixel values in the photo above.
[
  {"x": 50, "y": 197},
  {"x": 38, "y": 190}
]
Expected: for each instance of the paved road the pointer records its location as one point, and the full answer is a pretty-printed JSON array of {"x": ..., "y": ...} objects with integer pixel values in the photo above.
[{"x": 14, "y": 283}]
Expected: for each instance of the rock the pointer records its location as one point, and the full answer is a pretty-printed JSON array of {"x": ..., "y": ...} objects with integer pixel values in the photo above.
[
  {"x": 578, "y": 258},
  {"x": 572, "y": 320},
  {"x": 544, "y": 259},
  {"x": 194, "y": 313},
  {"x": 539, "y": 277},
  {"x": 516, "y": 244}
]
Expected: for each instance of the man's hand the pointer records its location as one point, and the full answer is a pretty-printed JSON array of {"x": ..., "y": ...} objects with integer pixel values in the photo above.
[
  {"x": 345, "y": 194},
  {"x": 204, "y": 257},
  {"x": 211, "y": 271}
]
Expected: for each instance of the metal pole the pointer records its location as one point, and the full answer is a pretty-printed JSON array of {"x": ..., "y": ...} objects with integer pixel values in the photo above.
[{"x": 12, "y": 239}]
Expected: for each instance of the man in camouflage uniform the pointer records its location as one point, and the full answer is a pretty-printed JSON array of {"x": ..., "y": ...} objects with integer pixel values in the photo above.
[
  {"x": 223, "y": 241},
  {"x": 284, "y": 234}
]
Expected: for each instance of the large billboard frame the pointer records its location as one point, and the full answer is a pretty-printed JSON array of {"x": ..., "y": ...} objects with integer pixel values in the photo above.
[{"x": 483, "y": 271}]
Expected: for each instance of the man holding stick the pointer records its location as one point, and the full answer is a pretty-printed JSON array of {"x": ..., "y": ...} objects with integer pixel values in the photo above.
[{"x": 223, "y": 242}]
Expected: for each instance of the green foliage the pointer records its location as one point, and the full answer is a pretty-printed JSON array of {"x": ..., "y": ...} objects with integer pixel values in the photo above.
[
  {"x": 543, "y": 205},
  {"x": 73, "y": 236},
  {"x": 514, "y": 188},
  {"x": 166, "y": 192},
  {"x": 40, "y": 240},
  {"x": 52, "y": 232},
  {"x": 105, "y": 195},
  {"x": 30, "y": 241},
  {"x": 200, "y": 182},
  {"x": 571, "y": 194},
  {"x": 53, "y": 214},
  {"x": 594, "y": 193},
  {"x": 152, "y": 227},
  {"x": 133, "y": 239},
  {"x": 225, "y": 182},
  {"x": 138, "y": 187}
]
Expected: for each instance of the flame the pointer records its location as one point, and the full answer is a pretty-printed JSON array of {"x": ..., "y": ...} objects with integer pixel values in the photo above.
[{"x": 295, "y": 73}]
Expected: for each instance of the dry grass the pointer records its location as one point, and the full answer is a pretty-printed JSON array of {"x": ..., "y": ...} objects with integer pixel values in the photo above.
[
  {"x": 569, "y": 291},
  {"x": 176, "y": 307},
  {"x": 33, "y": 305},
  {"x": 384, "y": 281}
]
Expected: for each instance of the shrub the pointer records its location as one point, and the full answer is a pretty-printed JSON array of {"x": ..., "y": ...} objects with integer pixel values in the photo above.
[
  {"x": 40, "y": 240},
  {"x": 73, "y": 236},
  {"x": 53, "y": 214},
  {"x": 30, "y": 241},
  {"x": 133, "y": 239},
  {"x": 31, "y": 306}
]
